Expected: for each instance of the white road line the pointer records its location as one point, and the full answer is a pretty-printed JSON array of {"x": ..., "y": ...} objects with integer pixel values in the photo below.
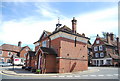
[
  {"x": 109, "y": 75},
  {"x": 54, "y": 76},
  {"x": 100, "y": 75},
  {"x": 69, "y": 76},
  {"x": 84, "y": 75},
  {"x": 77, "y": 76},
  {"x": 115, "y": 74},
  {"x": 93, "y": 75},
  {"x": 61, "y": 76}
]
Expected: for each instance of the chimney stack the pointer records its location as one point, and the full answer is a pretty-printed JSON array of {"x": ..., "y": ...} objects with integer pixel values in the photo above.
[
  {"x": 108, "y": 38},
  {"x": 19, "y": 43},
  {"x": 112, "y": 36},
  {"x": 118, "y": 45},
  {"x": 74, "y": 23}
]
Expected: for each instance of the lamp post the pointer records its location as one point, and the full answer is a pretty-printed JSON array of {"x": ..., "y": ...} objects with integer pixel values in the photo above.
[{"x": 13, "y": 61}]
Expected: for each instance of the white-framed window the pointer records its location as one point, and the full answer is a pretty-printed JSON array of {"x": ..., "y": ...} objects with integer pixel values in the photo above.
[
  {"x": 100, "y": 47},
  {"x": 96, "y": 54},
  {"x": 101, "y": 54},
  {"x": 44, "y": 43},
  {"x": 0, "y": 52},
  {"x": 97, "y": 42},
  {"x": 9, "y": 53},
  {"x": 95, "y": 48}
]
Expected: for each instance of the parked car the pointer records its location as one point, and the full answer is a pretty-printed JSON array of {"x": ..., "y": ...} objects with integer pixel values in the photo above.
[{"x": 5, "y": 64}]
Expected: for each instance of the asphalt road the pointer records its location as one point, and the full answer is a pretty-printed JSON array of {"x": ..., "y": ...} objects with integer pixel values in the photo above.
[{"x": 102, "y": 73}]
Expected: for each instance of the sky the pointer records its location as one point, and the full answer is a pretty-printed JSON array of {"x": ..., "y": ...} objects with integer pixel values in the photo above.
[{"x": 26, "y": 21}]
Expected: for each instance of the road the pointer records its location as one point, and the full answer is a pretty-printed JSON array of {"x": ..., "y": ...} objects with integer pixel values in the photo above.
[{"x": 101, "y": 73}]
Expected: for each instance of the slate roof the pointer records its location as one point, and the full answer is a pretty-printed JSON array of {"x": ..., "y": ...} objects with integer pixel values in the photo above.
[{"x": 48, "y": 50}]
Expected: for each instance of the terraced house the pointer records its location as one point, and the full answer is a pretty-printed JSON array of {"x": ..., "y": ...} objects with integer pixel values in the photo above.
[
  {"x": 63, "y": 50},
  {"x": 106, "y": 51}
]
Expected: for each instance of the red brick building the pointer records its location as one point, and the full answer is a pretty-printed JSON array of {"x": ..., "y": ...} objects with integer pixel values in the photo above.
[
  {"x": 106, "y": 51},
  {"x": 63, "y": 50},
  {"x": 7, "y": 51}
]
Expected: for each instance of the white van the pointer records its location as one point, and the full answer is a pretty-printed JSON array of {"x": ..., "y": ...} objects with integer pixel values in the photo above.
[{"x": 18, "y": 61}]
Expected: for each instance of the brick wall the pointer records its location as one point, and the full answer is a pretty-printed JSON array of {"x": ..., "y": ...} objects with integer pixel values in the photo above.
[
  {"x": 50, "y": 63},
  {"x": 5, "y": 55},
  {"x": 24, "y": 51},
  {"x": 68, "y": 50}
]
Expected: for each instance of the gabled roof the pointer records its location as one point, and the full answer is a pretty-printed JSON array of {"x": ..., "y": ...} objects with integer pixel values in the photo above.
[
  {"x": 44, "y": 32},
  {"x": 48, "y": 50},
  {"x": 24, "y": 48},
  {"x": 9, "y": 47}
]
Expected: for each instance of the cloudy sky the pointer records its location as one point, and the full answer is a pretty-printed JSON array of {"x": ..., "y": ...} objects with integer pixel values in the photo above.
[{"x": 25, "y": 21}]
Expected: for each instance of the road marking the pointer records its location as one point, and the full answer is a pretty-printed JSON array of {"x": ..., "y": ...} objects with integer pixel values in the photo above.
[
  {"x": 109, "y": 75},
  {"x": 54, "y": 76},
  {"x": 116, "y": 74},
  {"x": 61, "y": 76},
  {"x": 77, "y": 76},
  {"x": 100, "y": 75},
  {"x": 69, "y": 76},
  {"x": 93, "y": 75},
  {"x": 84, "y": 75}
]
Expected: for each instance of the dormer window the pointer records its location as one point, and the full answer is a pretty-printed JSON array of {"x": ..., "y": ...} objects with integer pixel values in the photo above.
[{"x": 97, "y": 42}]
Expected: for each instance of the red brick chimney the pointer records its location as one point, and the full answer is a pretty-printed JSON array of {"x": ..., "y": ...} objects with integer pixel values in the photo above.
[
  {"x": 112, "y": 36},
  {"x": 19, "y": 43},
  {"x": 108, "y": 38},
  {"x": 74, "y": 23}
]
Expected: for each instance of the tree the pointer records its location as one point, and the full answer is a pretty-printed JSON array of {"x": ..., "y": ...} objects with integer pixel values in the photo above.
[{"x": 104, "y": 34}]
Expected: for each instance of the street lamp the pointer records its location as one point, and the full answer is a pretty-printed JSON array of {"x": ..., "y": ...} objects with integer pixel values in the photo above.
[{"x": 13, "y": 61}]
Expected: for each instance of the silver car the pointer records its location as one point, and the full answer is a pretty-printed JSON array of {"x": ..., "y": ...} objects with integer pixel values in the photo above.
[{"x": 5, "y": 64}]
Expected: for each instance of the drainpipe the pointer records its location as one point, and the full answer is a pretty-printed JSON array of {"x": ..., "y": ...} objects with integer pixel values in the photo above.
[
  {"x": 118, "y": 45},
  {"x": 49, "y": 42}
]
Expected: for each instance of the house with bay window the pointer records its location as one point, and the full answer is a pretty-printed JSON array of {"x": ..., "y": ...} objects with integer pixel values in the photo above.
[
  {"x": 63, "y": 50},
  {"x": 106, "y": 51}
]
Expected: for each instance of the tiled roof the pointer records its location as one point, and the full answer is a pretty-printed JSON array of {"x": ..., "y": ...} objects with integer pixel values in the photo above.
[
  {"x": 68, "y": 30},
  {"x": 48, "y": 50},
  {"x": 114, "y": 56},
  {"x": 9, "y": 47},
  {"x": 112, "y": 43}
]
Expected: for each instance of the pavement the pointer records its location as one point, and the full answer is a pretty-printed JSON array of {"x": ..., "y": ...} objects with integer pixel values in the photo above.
[{"x": 21, "y": 72}]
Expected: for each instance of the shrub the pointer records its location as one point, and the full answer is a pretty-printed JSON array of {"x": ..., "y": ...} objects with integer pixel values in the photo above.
[{"x": 38, "y": 71}]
